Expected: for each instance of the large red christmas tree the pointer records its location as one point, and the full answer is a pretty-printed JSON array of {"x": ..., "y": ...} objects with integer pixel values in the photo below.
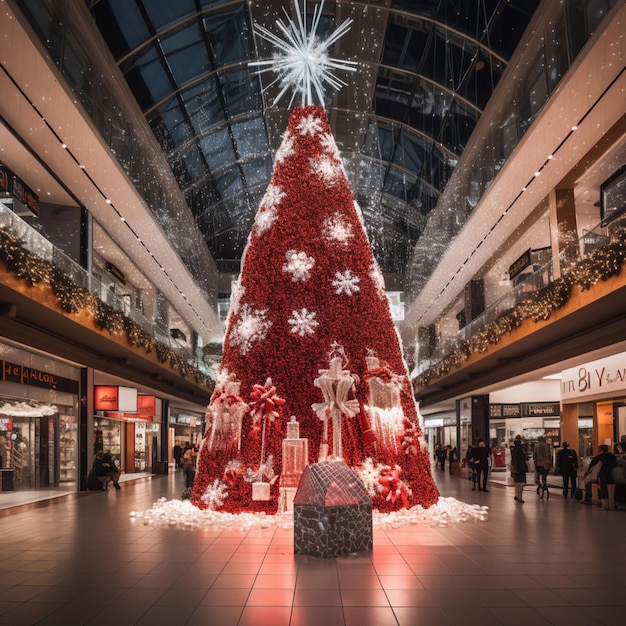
[{"x": 310, "y": 335}]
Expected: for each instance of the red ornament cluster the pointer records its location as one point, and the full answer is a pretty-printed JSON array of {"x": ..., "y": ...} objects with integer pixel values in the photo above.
[{"x": 358, "y": 320}]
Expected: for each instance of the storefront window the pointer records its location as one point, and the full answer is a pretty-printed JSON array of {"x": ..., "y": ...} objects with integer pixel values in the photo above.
[{"x": 108, "y": 437}]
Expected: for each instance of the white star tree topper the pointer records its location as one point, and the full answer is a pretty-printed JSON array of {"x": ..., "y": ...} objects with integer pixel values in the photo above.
[{"x": 301, "y": 59}]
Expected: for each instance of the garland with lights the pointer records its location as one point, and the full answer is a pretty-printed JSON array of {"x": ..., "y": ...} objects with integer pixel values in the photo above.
[
  {"x": 72, "y": 299},
  {"x": 599, "y": 265}
]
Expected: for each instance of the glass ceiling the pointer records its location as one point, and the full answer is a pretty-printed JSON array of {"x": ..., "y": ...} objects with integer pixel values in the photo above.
[{"x": 426, "y": 71}]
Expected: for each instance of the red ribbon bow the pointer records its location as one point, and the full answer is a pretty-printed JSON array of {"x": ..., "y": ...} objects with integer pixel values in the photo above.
[{"x": 392, "y": 487}]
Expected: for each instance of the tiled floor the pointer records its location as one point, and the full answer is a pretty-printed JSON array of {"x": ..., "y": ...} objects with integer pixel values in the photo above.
[{"x": 83, "y": 560}]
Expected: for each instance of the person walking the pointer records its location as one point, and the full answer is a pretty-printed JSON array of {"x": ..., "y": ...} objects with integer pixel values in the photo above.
[
  {"x": 479, "y": 460},
  {"x": 189, "y": 465},
  {"x": 519, "y": 468},
  {"x": 567, "y": 466},
  {"x": 543, "y": 462}
]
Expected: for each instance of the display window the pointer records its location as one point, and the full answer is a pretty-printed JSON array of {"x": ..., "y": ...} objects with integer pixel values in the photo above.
[{"x": 108, "y": 437}]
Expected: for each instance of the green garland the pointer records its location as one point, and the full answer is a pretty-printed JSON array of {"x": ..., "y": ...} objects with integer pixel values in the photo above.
[
  {"x": 71, "y": 299},
  {"x": 599, "y": 265}
]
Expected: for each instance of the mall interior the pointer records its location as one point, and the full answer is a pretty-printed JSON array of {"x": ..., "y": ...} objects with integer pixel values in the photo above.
[{"x": 485, "y": 144}]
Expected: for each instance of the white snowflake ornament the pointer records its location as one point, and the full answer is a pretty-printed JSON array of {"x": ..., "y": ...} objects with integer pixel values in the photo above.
[
  {"x": 369, "y": 473},
  {"x": 252, "y": 326},
  {"x": 299, "y": 265},
  {"x": 215, "y": 495},
  {"x": 327, "y": 169},
  {"x": 337, "y": 230},
  {"x": 268, "y": 211},
  {"x": 303, "y": 322},
  {"x": 346, "y": 283},
  {"x": 309, "y": 125}
]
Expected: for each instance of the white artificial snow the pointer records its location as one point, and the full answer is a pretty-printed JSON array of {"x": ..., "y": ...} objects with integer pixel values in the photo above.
[
  {"x": 303, "y": 322},
  {"x": 346, "y": 283},
  {"x": 299, "y": 265},
  {"x": 336, "y": 229},
  {"x": 183, "y": 515},
  {"x": 252, "y": 326},
  {"x": 326, "y": 168}
]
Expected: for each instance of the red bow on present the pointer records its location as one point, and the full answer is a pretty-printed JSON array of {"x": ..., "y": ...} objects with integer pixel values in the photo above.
[
  {"x": 392, "y": 487},
  {"x": 264, "y": 404}
]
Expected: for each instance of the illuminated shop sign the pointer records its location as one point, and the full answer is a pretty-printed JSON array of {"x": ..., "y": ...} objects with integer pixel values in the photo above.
[
  {"x": 6, "y": 423},
  {"x": 146, "y": 405},
  {"x": 602, "y": 377},
  {"x": 14, "y": 373},
  {"x": 186, "y": 419},
  {"x": 25, "y": 200},
  {"x": 519, "y": 265},
  {"x": 114, "y": 398}
]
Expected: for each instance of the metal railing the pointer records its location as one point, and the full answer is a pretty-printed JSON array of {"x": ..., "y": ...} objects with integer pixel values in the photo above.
[
  {"x": 33, "y": 241},
  {"x": 532, "y": 283}
]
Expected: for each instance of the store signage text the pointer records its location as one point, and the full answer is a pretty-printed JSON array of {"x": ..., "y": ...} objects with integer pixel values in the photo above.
[
  {"x": 114, "y": 398},
  {"x": 10, "y": 183},
  {"x": 12, "y": 372},
  {"x": 520, "y": 264},
  {"x": 186, "y": 419},
  {"x": 602, "y": 376},
  {"x": 105, "y": 398}
]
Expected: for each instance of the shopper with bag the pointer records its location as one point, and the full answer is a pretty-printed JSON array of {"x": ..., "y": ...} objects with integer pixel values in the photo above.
[{"x": 600, "y": 469}]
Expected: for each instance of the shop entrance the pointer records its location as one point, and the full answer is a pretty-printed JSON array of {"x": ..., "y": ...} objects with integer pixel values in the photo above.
[{"x": 32, "y": 452}]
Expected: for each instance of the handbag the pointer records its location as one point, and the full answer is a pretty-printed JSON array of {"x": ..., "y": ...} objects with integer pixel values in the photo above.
[{"x": 591, "y": 475}]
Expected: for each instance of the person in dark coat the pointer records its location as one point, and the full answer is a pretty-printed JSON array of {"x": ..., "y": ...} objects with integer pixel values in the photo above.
[
  {"x": 519, "y": 467},
  {"x": 479, "y": 460},
  {"x": 609, "y": 461},
  {"x": 567, "y": 466},
  {"x": 178, "y": 455}
]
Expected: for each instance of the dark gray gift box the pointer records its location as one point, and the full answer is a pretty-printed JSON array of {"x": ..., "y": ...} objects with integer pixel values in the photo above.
[{"x": 332, "y": 511}]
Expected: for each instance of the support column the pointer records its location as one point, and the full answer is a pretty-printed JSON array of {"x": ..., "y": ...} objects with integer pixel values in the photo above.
[
  {"x": 563, "y": 231},
  {"x": 569, "y": 425}
]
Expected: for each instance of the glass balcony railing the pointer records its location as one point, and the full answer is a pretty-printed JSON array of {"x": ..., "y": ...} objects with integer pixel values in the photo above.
[
  {"x": 33, "y": 241},
  {"x": 539, "y": 279}
]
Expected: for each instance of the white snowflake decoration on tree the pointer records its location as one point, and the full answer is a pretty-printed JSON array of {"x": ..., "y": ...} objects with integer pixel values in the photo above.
[
  {"x": 265, "y": 473},
  {"x": 252, "y": 326},
  {"x": 286, "y": 148},
  {"x": 369, "y": 474},
  {"x": 299, "y": 265},
  {"x": 309, "y": 125},
  {"x": 267, "y": 213},
  {"x": 326, "y": 168},
  {"x": 303, "y": 322},
  {"x": 336, "y": 229},
  {"x": 346, "y": 283},
  {"x": 215, "y": 495},
  {"x": 301, "y": 61}
]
